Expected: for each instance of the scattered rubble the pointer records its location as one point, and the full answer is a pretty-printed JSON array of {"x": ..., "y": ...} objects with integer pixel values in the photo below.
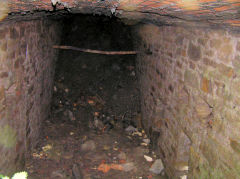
[{"x": 95, "y": 128}]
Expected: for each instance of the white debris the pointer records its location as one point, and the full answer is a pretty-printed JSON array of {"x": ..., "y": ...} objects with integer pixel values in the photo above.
[
  {"x": 122, "y": 156},
  {"x": 65, "y": 4},
  {"x": 149, "y": 159},
  {"x": 131, "y": 129},
  {"x": 66, "y": 90},
  {"x": 71, "y": 133},
  {"x": 147, "y": 141},
  {"x": 183, "y": 177},
  {"x": 137, "y": 133},
  {"x": 47, "y": 147},
  {"x": 183, "y": 168},
  {"x": 157, "y": 167},
  {"x": 55, "y": 2},
  {"x": 55, "y": 89},
  {"x": 115, "y": 148},
  {"x": 132, "y": 73},
  {"x": 113, "y": 10},
  {"x": 144, "y": 144}
]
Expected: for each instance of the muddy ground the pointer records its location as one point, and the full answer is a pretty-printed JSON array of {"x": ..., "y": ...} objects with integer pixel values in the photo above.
[{"x": 94, "y": 130}]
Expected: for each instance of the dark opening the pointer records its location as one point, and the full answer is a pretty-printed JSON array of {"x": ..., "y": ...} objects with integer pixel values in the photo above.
[{"x": 94, "y": 130}]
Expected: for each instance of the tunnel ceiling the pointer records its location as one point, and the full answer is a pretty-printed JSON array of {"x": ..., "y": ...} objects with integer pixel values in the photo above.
[{"x": 213, "y": 12}]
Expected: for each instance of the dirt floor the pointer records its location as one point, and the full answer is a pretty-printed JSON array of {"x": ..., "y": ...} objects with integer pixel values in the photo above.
[{"x": 94, "y": 130}]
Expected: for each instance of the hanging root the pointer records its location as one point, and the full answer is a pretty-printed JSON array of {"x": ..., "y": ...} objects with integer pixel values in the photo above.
[{"x": 96, "y": 51}]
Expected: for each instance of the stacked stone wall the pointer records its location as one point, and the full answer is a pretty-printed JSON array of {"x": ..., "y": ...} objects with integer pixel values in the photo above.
[
  {"x": 190, "y": 95},
  {"x": 27, "y": 62}
]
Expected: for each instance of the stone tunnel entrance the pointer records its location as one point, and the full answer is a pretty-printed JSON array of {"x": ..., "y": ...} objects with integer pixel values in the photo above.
[
  {"x": 95, "y": 107},
  {"x": 169, "y": 111}
]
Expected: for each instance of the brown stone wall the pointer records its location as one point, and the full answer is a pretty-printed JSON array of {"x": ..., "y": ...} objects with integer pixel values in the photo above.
[
  {"x": 190, "y": 88},
  {"x": 26, "y": 74}
]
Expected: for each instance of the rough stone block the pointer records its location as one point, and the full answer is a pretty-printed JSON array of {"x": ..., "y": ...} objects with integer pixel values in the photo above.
[
  {"x": 212, "y": 124},
  {"x": 225, "y": 52},
  {"x": 191, "y": 78},
  {"x": 203, "y": 41},
  {"x": 194, "y": 52},
  {"x": 225, "y": 70},
  {"x": 216, "y": 44},
  {"x": 179, "y": 40}
]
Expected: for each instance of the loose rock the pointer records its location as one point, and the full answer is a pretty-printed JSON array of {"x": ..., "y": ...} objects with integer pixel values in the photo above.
[
  {"x": 122, "y": 156},
  {"x": 149, "y": 159},
  {"x": 147, "y": 141},
  {"x": 128, "y": 166},
  {"x": 157, "y": 167},
  {"x": 183, "y": 177},
  {"x": 88, "y": 146},
  {"x": 131, "y": 129}
]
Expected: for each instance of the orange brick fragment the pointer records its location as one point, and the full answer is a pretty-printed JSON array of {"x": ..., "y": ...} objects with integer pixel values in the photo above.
[
  {"x": 232, "y": 1},
  {"x": 207, "y": 1},
  {"x": 223, "y": 8},
  {"x": 106, "y": 167},
  {"x": 116, "y": 167},
  {"x": 233, "y": 21}
]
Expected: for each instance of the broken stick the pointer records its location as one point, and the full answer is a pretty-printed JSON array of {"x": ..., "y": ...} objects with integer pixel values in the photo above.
[{"x": 96, "y": 51}]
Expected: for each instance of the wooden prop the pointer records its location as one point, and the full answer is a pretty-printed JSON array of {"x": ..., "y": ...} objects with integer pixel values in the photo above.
[{"x": 96, "y": 51}]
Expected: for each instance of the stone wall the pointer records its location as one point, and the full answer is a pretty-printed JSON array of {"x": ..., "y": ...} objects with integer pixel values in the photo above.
[
  {"x": 190, "y": 88},
  {"x": 26, "y": 74}
]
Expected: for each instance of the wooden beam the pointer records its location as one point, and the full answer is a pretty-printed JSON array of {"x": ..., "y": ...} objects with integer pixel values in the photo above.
[{"x": 96, "y": 51}]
